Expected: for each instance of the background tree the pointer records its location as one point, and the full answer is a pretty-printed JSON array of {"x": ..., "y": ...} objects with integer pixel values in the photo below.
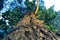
[{"x": 48, "y": 15}]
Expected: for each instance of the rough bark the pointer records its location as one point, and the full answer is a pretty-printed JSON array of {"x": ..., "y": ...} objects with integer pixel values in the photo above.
[{"x": 30, "y": 28}]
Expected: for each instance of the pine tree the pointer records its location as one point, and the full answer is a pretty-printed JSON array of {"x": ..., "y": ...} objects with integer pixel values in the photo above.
[{"x": 30, "y": 28}]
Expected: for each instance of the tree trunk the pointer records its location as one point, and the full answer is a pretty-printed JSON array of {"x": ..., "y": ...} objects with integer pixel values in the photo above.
[{"x": 30, "y": 28}]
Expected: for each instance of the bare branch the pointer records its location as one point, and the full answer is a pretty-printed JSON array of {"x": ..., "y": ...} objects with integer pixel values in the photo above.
[{"x": 37, "y": 7}]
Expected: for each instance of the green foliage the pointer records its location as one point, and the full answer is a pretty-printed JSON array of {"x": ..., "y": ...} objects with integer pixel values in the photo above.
[
  {"x": 48, "y": 15},
  {"x": 3, "y": 24},
  {"x": 30, "y": 5},
  {"x": 13, "y": 17}
]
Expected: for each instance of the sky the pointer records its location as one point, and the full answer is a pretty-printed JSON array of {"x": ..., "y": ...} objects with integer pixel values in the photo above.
[{"x": 49, "y": 3}]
